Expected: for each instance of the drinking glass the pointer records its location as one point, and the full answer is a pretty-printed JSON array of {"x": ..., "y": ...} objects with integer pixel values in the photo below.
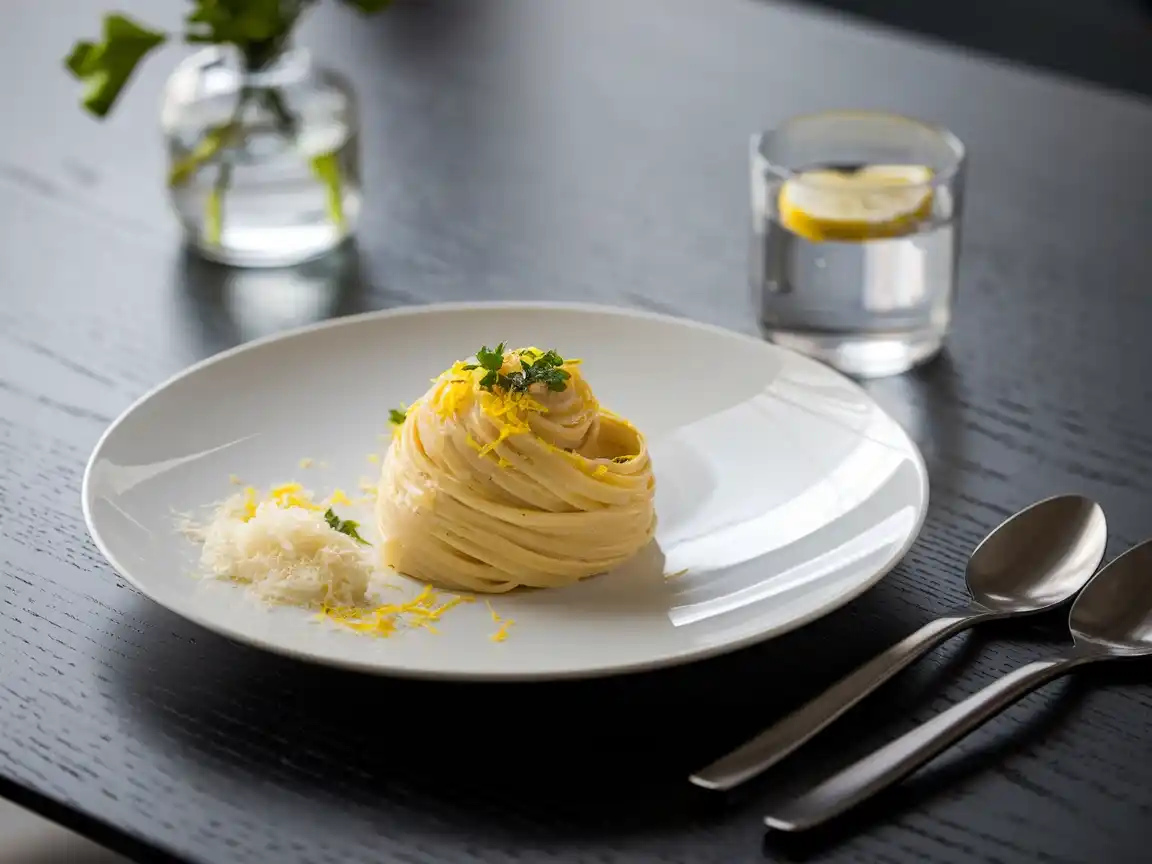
[{"x": 856, "y": 237}]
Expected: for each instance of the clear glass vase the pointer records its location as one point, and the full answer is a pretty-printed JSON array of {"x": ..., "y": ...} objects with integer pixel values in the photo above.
[{"x": 264, "y": 166}]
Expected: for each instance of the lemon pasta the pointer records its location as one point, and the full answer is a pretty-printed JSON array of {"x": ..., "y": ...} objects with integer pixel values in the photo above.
[{"x": 508, "y": 473}]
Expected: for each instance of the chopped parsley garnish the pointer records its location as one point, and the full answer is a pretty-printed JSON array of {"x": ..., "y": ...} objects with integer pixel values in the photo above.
[
  {"x": 344, "y": 526},
  {"x": 491, "y": 362},
  {"x": 398, "y": 415},
  {"x": 540, "y": 369}
]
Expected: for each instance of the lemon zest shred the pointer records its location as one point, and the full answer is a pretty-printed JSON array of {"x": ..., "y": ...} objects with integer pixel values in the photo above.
[
  {"x": 292, "y": 495},
  {"x": 501, "y": 635},
  {"x": 339, "y": 496},
  {"x": 506, "y": 432},
  {"x": 502, "y": 624},
  {"x": 249, "y": 503},
  {"x": 420, "y": 612}
]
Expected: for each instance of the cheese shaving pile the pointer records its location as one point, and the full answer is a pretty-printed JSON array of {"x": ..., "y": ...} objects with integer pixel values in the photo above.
[
  {"x": 282, "y": 547},
  {"x": 283, "y": 550}
]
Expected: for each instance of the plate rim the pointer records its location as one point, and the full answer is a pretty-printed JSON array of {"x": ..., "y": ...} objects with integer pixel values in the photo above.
[{"x": 571, "y": 674}]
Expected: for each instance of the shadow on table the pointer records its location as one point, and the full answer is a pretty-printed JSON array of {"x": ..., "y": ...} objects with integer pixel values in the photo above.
[
  {"x": 937, "y": 779},
  {"x": 924, "y": 402},
  {"x": 221, "y": 307},
  {"x": 596, "y": 758}
]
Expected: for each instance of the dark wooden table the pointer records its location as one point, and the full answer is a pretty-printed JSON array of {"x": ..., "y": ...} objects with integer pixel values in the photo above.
[{"x": 592, "y": 150}]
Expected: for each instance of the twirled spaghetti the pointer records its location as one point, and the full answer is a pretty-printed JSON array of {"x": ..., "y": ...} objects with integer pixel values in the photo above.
[{"x": 488, "y": 488}]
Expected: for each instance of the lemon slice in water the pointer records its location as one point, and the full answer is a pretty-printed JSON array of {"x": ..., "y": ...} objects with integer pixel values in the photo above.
[{"x": 872, "y": 202}]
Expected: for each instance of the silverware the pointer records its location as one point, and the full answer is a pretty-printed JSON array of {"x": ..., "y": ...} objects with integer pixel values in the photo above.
[
  {"x": 1033, "y": 561},
  {"x": 1111, "y": 619}
]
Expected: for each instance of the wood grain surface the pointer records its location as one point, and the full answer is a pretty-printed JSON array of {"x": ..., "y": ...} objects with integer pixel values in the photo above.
[{"x": 596, "y": 151}]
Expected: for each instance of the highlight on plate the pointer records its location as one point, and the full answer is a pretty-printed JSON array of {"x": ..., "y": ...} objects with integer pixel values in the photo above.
[{"x": 507, "y": 472}]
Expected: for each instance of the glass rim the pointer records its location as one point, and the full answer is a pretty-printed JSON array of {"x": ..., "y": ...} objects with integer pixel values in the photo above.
[{"x": 939, "y": 178}]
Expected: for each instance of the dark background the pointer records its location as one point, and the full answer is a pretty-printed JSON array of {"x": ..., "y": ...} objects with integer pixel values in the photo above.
[{"x": 1108, "y": 42}]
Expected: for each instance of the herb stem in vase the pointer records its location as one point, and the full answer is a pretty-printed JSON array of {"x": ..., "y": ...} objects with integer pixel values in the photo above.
[{"x": 262, "y": 142}]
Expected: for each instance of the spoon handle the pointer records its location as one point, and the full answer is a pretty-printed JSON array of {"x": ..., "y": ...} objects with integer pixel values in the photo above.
[
  {"x": 769, "y": 747},
  {"x": 901, "y": 757}
]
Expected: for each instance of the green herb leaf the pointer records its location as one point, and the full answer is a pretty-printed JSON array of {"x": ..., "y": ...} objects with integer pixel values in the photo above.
[
  {"x": 105, "y": 67},
  {"x": 556, "y": 379},
  {"x": 238, "y": 22},
  {"x": 491, "y": 360},
  {"x": 397, "y": 416},
  {"x": 368, "y": 7},
  {"x": 540, "y": 369},
  {"x": 344, "y": 526}
]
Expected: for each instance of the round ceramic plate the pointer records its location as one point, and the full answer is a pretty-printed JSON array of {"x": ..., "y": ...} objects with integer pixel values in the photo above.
[{"x": 783, "y": 490}]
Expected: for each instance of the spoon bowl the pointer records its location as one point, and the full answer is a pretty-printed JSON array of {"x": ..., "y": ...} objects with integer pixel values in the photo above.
[
  {"x": 1039, "y": 557},
  {"x": 1110, "y": 620},
  {"x": 1113, "y": 613}
]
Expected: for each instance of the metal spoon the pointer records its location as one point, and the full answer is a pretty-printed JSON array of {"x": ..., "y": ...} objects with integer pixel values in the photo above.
[
  {"x": 1111, "y": 619},
  {"x": 1033, "y": 561}
]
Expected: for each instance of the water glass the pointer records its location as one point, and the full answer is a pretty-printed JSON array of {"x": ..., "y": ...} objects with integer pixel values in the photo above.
[{"x": 856, "y": 237}]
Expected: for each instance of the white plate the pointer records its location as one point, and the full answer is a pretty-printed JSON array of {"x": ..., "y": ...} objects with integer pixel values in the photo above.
[{"x": 782, "y": 489}]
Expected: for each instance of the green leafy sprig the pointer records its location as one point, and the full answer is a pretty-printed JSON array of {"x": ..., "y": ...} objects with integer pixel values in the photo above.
[
  {"x": 104, "y": 67},
  {"x": 397, "y": 416},
  {"x": 258, "y": 28},
  {"x": 540, "y": 369},
  {"x": 344, "y": 526}
]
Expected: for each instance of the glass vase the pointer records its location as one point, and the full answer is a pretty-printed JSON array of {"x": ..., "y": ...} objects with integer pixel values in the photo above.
[{"x": 263, "y": 166}]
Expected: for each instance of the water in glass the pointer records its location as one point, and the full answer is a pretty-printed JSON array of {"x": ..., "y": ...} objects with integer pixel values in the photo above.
[
  {"x": 868, "y": 306},
  {"x": 855, "y": 237},
  {"x": 273, "y": 173}
]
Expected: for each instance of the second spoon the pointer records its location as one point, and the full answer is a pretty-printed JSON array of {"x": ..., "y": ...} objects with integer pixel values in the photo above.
[{"x": 1035, "y": 560}]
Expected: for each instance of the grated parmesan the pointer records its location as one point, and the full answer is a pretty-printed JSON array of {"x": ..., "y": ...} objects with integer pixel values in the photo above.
[
  {"x": 283, "y": 547},
  {"x": 284, "y": 552}
]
